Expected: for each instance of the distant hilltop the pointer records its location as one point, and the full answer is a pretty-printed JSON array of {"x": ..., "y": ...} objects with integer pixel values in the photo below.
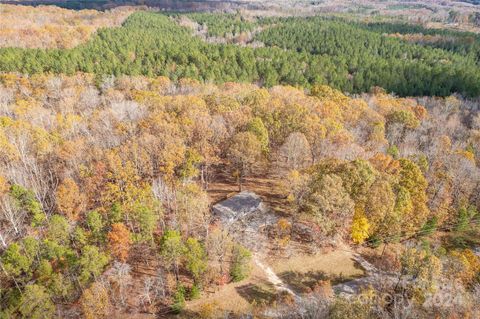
[{"x": 177, "y": 5}]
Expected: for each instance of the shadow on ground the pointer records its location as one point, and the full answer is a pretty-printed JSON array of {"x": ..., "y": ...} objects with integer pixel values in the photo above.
[
  {"x": 258, "y": 294},
  {"x": 301, "y": 282}
]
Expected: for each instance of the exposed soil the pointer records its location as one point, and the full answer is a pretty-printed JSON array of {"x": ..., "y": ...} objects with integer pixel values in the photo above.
[
  {"x": 270, "y": 189},
  {"x": 292, "y": 269},
  {"x": 300, "y": 273}
]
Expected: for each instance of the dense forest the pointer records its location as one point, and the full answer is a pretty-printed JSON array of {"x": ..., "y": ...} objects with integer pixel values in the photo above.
[
  {"x": 100, "y": 176},
  {"x": 298, "y": 51},
  {"x": 357, "y": 144},
  {"x": 464, "y": 43}
]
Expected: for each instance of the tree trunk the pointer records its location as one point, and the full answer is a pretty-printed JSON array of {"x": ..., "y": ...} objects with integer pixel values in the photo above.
[
  {"x": 239, "y": 182},
  {"x": 2, "y": 241},
  {"x": 202, "y": 177},
  {"x": 384, "y": 247},
  {"x": 207, "y": 180},
  {"x": 175, "y": 267}
]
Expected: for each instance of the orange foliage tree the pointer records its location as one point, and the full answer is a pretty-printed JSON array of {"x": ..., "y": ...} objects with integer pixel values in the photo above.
[
  {"x": 70, "y": 201},
  {"x": 119, "y": 241}
]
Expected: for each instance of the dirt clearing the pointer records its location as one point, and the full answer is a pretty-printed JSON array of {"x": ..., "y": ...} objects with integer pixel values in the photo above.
[{"x": 300, "y": 273}]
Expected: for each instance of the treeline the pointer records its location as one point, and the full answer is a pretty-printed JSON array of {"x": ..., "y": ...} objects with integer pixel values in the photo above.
[
  {"x": 464, "y": 43},
  {"x": 299, "y": 51},
  {"x": 225, "y": 24}
]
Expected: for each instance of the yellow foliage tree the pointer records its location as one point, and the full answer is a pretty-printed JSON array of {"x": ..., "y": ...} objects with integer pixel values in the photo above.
[
  {"x": 4, "y": 186},
  {"x": 95, "y": 302},
  {"x": 470, "y": 265},
  {"x": 124, "y": 186},
  {"x": 360, "y": 226}
]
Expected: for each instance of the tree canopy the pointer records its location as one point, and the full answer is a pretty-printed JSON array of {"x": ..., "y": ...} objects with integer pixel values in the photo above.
[{"x": 297, "y": 51}]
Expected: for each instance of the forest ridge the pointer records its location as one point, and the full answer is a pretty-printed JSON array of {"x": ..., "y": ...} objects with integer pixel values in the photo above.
[{"x": 348, "y": 56}]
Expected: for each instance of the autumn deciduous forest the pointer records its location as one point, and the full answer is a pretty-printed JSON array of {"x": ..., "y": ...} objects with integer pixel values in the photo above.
[
  {"x": 52, "y": 27},
  {"x": 361, "y": 139}
]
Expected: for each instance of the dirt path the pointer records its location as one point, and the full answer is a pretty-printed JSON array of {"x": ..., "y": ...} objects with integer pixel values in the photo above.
[
  {"x": 373, "y": 277},
  {"x": 273, "y": 278}
]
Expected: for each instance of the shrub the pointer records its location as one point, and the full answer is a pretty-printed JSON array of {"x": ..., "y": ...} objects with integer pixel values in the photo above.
[
  {"x": 241, "y": 263},
  {"x": 179, "y": 300}
]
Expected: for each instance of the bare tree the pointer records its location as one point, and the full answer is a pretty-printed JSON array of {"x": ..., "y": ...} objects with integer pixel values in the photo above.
[
  {"x": 295, "y": 153},
  {"x": 153, "y": 289},
  {"x": 120, "y": 278},
  {"x": 11, "y": 214}
]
